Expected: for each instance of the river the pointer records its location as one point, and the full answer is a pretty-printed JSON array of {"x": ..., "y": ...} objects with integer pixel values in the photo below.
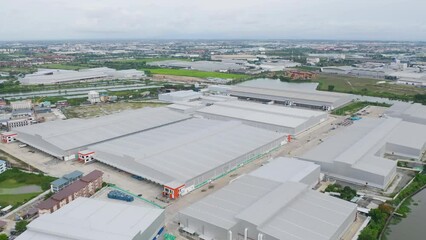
[{"x": 413, "y": 226}]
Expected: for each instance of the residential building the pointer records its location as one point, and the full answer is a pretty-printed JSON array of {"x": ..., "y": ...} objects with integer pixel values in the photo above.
[{"x": 86, "y": 186}]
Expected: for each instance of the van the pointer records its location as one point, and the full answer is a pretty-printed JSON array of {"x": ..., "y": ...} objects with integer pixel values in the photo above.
[{"x": 22, "y": 145}]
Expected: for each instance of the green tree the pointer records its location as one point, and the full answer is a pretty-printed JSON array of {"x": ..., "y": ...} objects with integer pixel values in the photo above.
[
  {"x": 330, "y": 88},
  {"x": 3, "y": 236},
  {"x": 21, "y": 226},
  {"x": 368, "y": 234}
]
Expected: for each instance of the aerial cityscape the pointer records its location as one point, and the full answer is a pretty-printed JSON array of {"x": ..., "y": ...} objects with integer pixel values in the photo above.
[{"x": 212, "y": 120}]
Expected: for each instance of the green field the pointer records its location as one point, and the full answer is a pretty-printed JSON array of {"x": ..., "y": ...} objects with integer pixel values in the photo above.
[
  {"x": 195, "y": 73},
  {"x": 367, "y": 87},
  {"x": 11, "y": 183},
  {"x": 147, "y": 60},
  {"x": 16, "y": 199},
  {"x": 355, "y": 107},
  {"x": 14, "y": 178}
]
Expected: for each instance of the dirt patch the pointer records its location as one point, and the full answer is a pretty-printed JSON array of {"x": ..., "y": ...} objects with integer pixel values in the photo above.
[
  {"x": 21, "y": 190},
  {"x": 102, "y": 109},
  {"x": 160, "y": 77}
]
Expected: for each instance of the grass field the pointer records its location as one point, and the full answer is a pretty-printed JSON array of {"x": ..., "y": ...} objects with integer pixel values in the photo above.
[
  {"x": 147, "y": 60},
  {"x": 16, "y": 199},
  {"x": 11, "y": 183},
  {"x": 14, "y": 178},
  {"x": 366, "y": 86},
  {"x": 355, "y": 107},
  {"x": 195, "y": 73}
]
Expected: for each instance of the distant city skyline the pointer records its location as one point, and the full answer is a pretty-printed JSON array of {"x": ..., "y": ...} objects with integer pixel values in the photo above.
[{"x": 385, "y": 20}]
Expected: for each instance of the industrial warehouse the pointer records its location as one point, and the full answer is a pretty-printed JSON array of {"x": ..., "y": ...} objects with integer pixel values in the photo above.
[
  {"x": 97, "y": 220},
  {"x": 55, "y": 76},
  {"x": 358, "y": 153},
  {"x": 274, "y": 91},
  {"x": 59, "y": 138},
  {"x": 270, "y": 204},
  {"x": 163, "y": 146},
  {"x": 415, "y": 113},
  {"x": 187, "y": 154},
  {"x": 275, "y": 118},
  {"x": 301, "y": 98}
]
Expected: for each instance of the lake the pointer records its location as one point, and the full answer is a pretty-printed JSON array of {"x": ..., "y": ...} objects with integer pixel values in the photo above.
[{"x": 413, "y": 226}]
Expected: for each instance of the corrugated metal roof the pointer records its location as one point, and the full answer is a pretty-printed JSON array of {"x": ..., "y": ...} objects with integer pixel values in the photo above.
[
  {"x": 261, "y": 113},
  {"x": 288, "y": 210},
  {"x": 285, "y": 169},
  {"x": 64, "y": 134},
  {"x": 95, "y": 220},
  {"x": 360, "y": 144},
  {"x": 183, "y": 150}
]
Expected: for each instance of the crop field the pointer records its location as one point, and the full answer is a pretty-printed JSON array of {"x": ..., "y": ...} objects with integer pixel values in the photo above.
[{"x": 195, "y": 73}]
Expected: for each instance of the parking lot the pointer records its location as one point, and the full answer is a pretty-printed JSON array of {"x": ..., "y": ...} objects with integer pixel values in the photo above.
[{"x": 57, "y": 168}]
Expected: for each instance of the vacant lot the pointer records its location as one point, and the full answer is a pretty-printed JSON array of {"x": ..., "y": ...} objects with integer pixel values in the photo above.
[
  {"x": 89, "y": 111},
  {"x": 195, "y": 73},
  {"x": 17, "y": 187},
  {"x": 367, "y": 86}
]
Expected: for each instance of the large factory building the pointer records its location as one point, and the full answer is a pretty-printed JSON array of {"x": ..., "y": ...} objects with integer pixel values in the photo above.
[
  {"x": 270, "y": 205},
  {"x": 64, "y": 139},
  {"x": 272, "y": 117},
  {"x": 188, "y": 154},
  {"x": 358, "y": 154}
]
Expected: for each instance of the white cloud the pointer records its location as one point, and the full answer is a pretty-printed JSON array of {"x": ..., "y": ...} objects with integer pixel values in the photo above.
[{"x": 330, "y": 19}]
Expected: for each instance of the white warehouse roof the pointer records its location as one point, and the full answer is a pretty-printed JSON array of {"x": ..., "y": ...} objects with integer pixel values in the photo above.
[
  {"x": 63, "y": 138},
  {"x": 186, "y": 150},
  {"x": 276, "y": 209},
  {"x": 285, "y": 169},
  {"x": 51, "y": 76},
  {"x": 357, "y": 153},
  {"x": 92, "y": 219},
  {"x": 415, "y": 113},
  {"x": 279, "y": 118}
]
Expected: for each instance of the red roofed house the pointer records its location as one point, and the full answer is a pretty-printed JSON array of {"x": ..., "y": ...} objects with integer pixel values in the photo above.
[{"x": 85, "y": 187}]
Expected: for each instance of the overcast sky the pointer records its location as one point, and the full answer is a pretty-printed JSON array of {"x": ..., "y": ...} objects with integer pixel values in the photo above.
[{"x": 213, "y": 19}]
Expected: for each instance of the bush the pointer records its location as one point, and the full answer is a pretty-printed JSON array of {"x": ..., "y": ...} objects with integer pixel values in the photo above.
[{"x": 21, "y": 226}]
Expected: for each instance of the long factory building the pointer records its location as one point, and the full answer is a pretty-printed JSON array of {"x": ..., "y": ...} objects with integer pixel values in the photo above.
[
  {"x": 187, "y": 154},
  {"x": 415, "y": 113},
  {"x": 271, "y": 203},
  {"x": 358, "y": 153},
  {"x": 161, "y": 145},
  {"x": 272, "y": 117},
  {"x": 64, "y": 139},
  {"x": 274, "y": 92}
]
